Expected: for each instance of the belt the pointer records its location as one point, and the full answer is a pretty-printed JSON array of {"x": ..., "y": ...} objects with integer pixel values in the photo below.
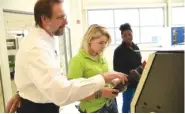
[{"x": 28, "y": 106}]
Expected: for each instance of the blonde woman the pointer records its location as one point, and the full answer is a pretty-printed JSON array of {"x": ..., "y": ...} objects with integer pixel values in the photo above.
[{"x": 88, "y": 62}]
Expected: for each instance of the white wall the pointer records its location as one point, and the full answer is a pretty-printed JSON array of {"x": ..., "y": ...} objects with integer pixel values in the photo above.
[
  {"x": 4, "y": 66},
  {"x": 20, "y": 5},
  {"x": 177, "y": 1},
  {"x": 125, "y": 2},
  {"x": 76, "y": 29},
  {"x": 117, "y": 3}
]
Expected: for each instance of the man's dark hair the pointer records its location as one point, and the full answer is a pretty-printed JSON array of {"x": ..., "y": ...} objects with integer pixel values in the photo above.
[
  {"x": 44, "y": 8},
  {"x": 124, "y": 27}
]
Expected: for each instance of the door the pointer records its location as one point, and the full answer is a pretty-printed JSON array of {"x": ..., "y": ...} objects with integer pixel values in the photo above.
[{"x": 17, "y": 26}]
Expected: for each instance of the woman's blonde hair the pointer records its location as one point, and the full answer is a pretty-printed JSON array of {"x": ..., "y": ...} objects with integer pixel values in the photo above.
[{"x": 94, "y": 32}]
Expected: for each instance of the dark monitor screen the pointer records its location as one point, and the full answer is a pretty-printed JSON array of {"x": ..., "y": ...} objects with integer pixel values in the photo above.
[{"x": 163, "y": 90}]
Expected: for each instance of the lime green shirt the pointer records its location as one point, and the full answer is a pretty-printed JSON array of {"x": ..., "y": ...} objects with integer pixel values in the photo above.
[{"x": 83, "y": 66}]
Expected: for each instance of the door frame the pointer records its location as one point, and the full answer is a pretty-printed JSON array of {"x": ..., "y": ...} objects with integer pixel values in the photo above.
[{"x": 5, "y": 71}]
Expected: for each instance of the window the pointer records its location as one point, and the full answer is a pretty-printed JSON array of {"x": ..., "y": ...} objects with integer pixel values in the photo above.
[
  {"x": 151, "y": 17},
  {"x": 145, "y": 23},
  {"x": 136, "y": 38},
  {"x": 178, "y": 17},
  {"x": 102, "y": 17},
  {"x": 151, "y": 21},
  {"x": 151, "y": 34},
  {"x": 127, "y": 15}
]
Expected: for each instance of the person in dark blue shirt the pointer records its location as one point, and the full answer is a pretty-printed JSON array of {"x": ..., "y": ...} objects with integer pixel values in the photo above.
[{"x": 125, "y": 59}]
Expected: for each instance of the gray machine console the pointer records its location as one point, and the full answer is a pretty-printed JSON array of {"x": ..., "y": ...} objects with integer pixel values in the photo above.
[{"x": 161, "y": 87}]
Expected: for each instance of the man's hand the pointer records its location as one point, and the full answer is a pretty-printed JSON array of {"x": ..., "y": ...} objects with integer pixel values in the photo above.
[
  {"x": 109, "y": 76},
  {"x": 13, "y": 104}
]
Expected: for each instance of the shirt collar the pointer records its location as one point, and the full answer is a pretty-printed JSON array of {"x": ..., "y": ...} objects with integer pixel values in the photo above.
[
  {"x": 44, "y": 33},
  {"x": 84, "y": 54},
  {"x": 45, "y": 36}
]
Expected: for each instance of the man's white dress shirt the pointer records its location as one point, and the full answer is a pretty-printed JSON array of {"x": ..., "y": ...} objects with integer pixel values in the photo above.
[{"x": 38, "y": 77}]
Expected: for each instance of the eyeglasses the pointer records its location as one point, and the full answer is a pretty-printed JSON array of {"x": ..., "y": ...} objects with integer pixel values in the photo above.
[{"x": 63, "y": 17}]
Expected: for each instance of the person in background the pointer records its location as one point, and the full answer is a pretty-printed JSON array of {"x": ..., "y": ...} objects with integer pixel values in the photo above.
[
  {"x": 126, "y": 58},
  {"x": 42, "y": 88},
  {"x": 89, "y": 62}
]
